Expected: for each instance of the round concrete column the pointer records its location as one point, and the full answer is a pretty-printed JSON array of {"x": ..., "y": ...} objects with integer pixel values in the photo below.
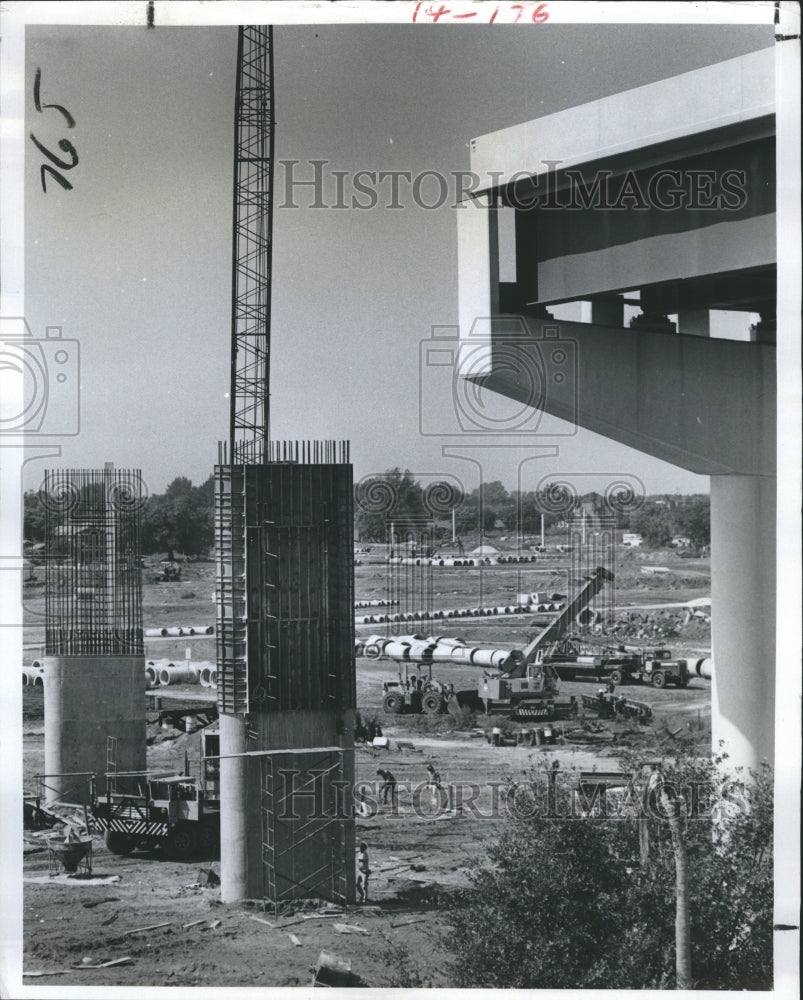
[
  {"x": 743, "y": 617},
  {"x": 233, "y": 810},
  {"x": 88, "y": 699}
]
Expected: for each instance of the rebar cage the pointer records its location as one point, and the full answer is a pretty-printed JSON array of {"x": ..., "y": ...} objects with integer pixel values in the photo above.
[{"x": 93, "y": 595}]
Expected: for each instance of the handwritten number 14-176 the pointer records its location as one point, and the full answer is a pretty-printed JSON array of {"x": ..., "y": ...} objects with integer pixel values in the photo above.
[{"x": 64, "y": 144}]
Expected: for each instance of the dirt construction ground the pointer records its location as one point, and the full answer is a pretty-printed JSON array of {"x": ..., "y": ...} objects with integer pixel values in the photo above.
[{"x": 417, "y": 855}]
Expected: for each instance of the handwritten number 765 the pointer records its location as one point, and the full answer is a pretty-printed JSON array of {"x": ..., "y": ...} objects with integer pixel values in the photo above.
[{"x": 64, "y": 144}]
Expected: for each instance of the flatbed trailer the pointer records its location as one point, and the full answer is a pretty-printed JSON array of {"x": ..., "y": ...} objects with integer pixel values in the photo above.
[{"x": 177, "y": 707}]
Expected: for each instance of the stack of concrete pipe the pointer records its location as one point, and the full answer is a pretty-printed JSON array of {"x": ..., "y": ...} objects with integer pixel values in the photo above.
[
  {"x": 432, "y": 649},
  {"x": 34, "y": 675},
  {"x": 415, "y": 616},
  {"x": 380, "y": 603},
  {"x": 163, "y": 673},
  {"x": 466, "y": 561},
  {"x": 177, "y": 631}
]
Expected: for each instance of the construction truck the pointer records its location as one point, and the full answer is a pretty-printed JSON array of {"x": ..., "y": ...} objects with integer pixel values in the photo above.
[
  {"x": 659, "y": 668},
  {"x": 526, "y": 684},
  {"x": 176, "y": 812},
  {"x": 584, "y": 656},
  {"x": 169, "y": 572},
  {"x": 416, "y": 692}
]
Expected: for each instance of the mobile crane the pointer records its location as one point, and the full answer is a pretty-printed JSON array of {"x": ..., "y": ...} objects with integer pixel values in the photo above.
[{"x": 526, "y": 684}]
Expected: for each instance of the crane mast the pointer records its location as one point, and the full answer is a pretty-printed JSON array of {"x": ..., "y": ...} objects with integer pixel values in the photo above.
[{"x": 252, "y": 250}]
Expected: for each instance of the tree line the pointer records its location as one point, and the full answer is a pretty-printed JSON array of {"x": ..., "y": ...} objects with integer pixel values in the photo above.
[
  {"x": 397, "y": 497},
  {"x": 182, "y": 518}
]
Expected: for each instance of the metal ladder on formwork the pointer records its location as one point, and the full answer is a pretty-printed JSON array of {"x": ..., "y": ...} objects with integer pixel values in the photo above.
[
  {"x": 329, "y": 879},
  {"x": 231, "y": 591},
  {"x": 111, "y": 765},
  {"x": 267, "y": 812}
]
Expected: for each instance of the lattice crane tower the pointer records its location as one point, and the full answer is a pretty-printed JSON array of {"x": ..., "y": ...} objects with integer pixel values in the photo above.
[{"x": 285, "y": 620}]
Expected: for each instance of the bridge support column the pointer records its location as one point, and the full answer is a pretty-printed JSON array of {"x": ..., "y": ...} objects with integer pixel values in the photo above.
[{"x": 743, "y": 617}]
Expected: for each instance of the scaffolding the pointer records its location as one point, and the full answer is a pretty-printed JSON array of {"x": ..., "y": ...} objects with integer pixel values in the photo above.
[
  {"x": 93, "y": 595},
  {"x": 304, "y": 814}
]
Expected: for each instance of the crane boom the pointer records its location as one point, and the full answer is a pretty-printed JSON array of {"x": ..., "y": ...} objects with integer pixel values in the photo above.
[{"x": 562, "y": 624}]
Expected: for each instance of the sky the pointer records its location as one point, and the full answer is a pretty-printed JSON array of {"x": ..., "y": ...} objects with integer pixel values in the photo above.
[{"x": 135, "y": 261}]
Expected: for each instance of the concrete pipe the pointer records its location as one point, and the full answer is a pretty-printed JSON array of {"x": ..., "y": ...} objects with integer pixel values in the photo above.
[
  {"x": 213, "y": 679},
  {"x": 151, "y": 675},
  {"x": 443, "y": 640},
  {"x": 489, "y": 657},
  {"x": 27, "y": 677},
  {"x": 153, "y": 633},
  {"x": 172, "y": 674},
  {"x": 421, "y": 651},
  {"x": 174, "y": 631},
  {"x": 705, "y": 668},
  {"x": 444, "y": 654},
  {"x": 374, "y": 645},
  {"x": 397, "y": 650},
  {"x": 37, "y": 665},
  {"x": 204, "y": 676},
  {"x": 39, "y": 678}
]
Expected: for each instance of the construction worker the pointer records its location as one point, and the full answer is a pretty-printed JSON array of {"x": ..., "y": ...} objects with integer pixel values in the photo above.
[
  {"x": 388, "y": 787},
  {"x": 363, "y": 873},
  {"x": 434, "y": 783}
]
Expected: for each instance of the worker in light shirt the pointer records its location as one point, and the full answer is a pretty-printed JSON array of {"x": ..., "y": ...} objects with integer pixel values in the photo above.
[{"x": 363, "y": 873}]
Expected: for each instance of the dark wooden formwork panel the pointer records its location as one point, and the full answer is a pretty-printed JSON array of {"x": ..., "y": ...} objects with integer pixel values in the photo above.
[{"x": 297, "y": 539}]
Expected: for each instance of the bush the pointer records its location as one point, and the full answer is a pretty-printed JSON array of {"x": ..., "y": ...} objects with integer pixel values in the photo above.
[{"x": 566, "y": 902}]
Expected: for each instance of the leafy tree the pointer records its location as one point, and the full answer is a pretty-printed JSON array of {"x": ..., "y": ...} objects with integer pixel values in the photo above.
[
  {"x": 567, "y": 903},
  {"x": 394, "y": 496},
  {"x": 693, "y": 519},
  {"x": 33, "y": 514},
  {"x": 182, "y": 518},
  {"x": 655, "y": 523}
]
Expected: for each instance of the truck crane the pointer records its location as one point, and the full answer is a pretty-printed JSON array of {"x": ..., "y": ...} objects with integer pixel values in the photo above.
[{"x": 526, "y": 684}]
